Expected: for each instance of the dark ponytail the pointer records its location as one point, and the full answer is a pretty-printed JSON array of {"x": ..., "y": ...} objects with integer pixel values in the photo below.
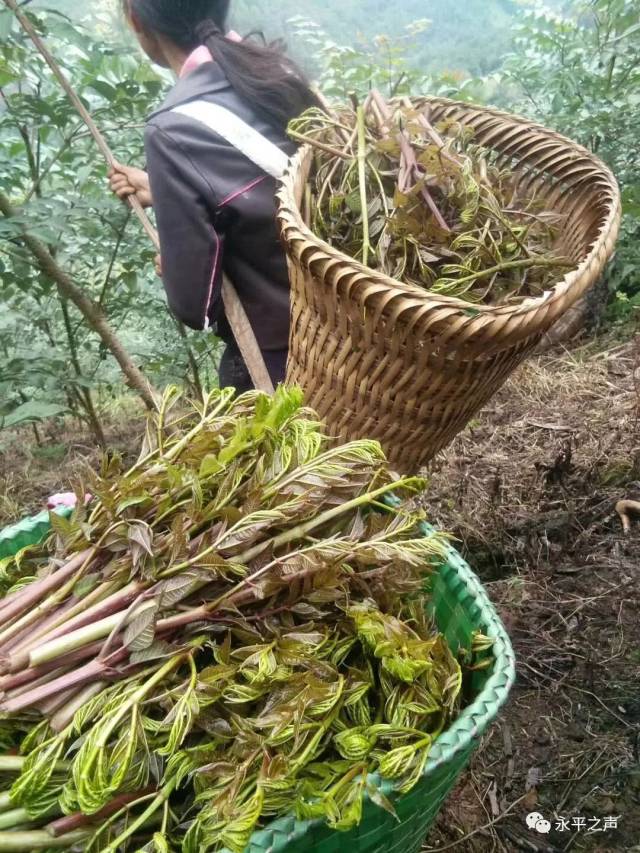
[{"x": 261, "y": 74}]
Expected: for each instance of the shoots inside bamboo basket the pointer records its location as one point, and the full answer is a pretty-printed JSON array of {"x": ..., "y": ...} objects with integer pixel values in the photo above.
[{"x": 381, "y": 359}]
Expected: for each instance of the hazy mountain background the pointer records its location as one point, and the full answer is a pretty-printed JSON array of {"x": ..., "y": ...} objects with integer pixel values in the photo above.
[{"x": 466, "y": 36}]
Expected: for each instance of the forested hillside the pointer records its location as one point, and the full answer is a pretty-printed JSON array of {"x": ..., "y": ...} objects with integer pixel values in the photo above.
[{"x": 469, "y": 37}]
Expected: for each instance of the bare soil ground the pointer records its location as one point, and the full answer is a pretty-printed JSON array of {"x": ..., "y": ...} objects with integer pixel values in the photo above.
[
  {"x": 31, "y": 471},
  {"x": 529, "y": 490}
]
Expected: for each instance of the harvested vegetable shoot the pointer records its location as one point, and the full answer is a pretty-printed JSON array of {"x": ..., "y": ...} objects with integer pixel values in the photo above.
[
  {"x": 424, "y": 204},
  {"x": 234, "y": 628}
]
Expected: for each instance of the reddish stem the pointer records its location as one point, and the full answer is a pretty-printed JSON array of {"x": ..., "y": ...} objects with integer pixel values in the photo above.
[
  {"x": 410, "y": 158},
  {"x": 108, "y": 607},
  {"x": 29, "y": 631},
  {"x": 65, "y": 715},
  {"x": 37, "y": 682},
  {"x": 9, "y": 682},
  {"x": 54, "y": 703},
  {"x": 95, "y": 670},
  {"x": 237, "y": 599},
  {"x": 36, "y": 591}
]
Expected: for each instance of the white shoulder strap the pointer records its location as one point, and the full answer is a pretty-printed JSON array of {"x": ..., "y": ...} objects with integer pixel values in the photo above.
[{"x": 238, "y": 133}]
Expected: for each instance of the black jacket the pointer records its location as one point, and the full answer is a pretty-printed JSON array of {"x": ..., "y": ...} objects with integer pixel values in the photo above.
[{"x": 215, "y": 210}]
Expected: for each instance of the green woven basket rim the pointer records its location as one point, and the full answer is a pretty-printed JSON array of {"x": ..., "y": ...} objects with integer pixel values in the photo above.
[
  {"x": 476, "y": 717},
  {"x": 29, "y": 526},
  {"x": 456, "y": 740}
]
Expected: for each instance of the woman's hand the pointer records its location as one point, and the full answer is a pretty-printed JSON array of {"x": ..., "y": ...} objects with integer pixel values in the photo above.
[
  {"x": 158, "y": 265},
  {"x": 126, "y": 181}
]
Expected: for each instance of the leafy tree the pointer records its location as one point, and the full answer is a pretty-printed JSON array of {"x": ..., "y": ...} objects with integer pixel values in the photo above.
[
  {"x": 383, "y": 63},
  {"x": 579, "y": 72}
]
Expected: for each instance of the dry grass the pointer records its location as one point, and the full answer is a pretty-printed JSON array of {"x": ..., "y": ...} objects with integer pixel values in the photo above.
[
  {"x": 31, "y": 471},
  {"x": 530, "y": 491}
]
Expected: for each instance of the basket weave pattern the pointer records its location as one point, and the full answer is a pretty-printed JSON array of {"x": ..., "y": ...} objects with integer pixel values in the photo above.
[{"x": 381, "y": 359}]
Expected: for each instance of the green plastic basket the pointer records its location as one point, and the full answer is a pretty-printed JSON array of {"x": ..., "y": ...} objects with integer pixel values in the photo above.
[
  {"x": 460, "y": 606},
  {"x": 27, "y": 532}
]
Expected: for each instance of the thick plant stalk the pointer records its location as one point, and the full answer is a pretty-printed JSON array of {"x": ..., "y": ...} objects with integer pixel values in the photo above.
[
  {"x": 15, "y": 764},
  {"x": 64, "y": 716},
  {"x": 75, "y": 640},
  {"x": 78, "y": 613},
  {"x": 362, "y": 174},
  {"x": 73, "y": 822},
  {"x": 35, "y": 592},
  {"x": 28, "y": 842},
  {"x": 54, "y": 703},
  {"x": 11, "y": 819},
  {"x": 31, "y": 674},
  {"x": 30, "y": 633},
  {"x": 93, "y": 616},
  {"x": 44, "y": 609},
  {"x": 36, "y": 683},
  {"x": 96, "y": 670}
]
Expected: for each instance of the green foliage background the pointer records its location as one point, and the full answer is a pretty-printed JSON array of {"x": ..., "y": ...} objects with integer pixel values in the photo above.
[{"x": 468, "y": 37}]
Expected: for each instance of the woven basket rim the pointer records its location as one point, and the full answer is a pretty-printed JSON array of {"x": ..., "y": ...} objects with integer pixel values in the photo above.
[
  {"x": 29, "y": 526},
  {"x": 570, "y": 286}
]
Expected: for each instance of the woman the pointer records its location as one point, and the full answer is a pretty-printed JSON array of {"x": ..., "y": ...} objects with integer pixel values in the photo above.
[{"x": 214, "y": 206}]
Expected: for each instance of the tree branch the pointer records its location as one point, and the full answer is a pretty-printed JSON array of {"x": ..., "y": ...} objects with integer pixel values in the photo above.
[
  {"x": 84, "y": 394},
  {"x": 114, "y": 256},
  {"x": 88, "y": 308}
]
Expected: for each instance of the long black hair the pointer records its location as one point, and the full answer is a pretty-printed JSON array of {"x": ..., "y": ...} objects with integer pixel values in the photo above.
[{"x": 271, "y": 83}]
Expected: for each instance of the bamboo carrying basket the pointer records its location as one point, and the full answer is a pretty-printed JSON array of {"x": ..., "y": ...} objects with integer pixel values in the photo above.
[
  {"x": 381, "y": 359},
  {"x": 460, "y": 606}
]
